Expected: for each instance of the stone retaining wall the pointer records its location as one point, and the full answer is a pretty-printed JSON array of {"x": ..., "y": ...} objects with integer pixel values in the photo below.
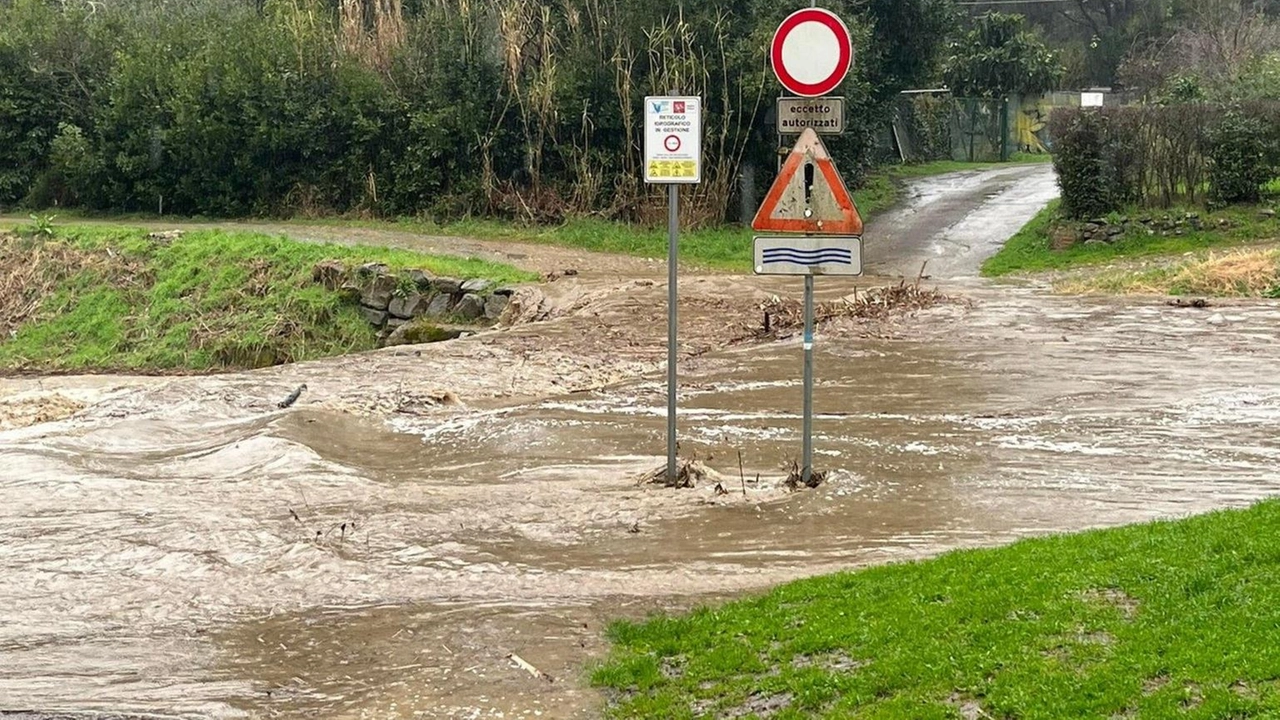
[
  {"x": 392, "y": 300},
  {"x": 1107, "y": 231}
]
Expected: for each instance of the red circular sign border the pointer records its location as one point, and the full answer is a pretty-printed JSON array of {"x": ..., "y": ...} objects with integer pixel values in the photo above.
[
  {"x": 845, "y": 64},
  {"x": 667, "y": 145}
]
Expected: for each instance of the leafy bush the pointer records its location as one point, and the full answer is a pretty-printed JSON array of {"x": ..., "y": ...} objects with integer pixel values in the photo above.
[
  {"x": 1164, "y": 154},
  {"x": 27, "y": 114},
  {"x": 928, "y": 120},
  {"x": 1082, "y": 159},
  {"x": 71, "y": 173},
  {"x": 1000, "y": 57},
  {"x": 450, "y": 107},
  {"x": 1242, "y": 158}
]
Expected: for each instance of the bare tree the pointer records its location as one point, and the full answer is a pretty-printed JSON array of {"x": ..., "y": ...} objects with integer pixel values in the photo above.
[{"x": 1215, "y": 43}]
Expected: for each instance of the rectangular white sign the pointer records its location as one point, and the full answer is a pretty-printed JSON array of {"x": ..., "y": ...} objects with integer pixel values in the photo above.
[
  {"x": 824, "y": 114},
  {"x": 1091, "y": 99},
  {"x": 815, "y": 255},
  {"x": 673, "y": 140}
]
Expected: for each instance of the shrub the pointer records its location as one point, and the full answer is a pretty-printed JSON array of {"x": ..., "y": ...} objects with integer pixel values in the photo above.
[
  {"x": 1082, "y": 159},
  {"x": 234, "y": 107},
  {"x": 28, "y": 113},
  {"x": 1000, "y": 57},
  {"x": 1241, "y": 158},
  {"x": 928, "y": 121},
  {"x": 1164, "y": 154},
  {"x": 71, "y": 173}
]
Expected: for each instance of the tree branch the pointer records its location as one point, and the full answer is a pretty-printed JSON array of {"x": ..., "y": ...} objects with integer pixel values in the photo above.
[{"x": 1084, "y": 13}]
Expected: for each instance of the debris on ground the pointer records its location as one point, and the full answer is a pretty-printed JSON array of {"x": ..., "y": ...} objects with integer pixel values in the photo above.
[
  {"x": 967, "y": 707},
  {"x": 760, "y": 704},
  {"x": 1180, "y": 303},
  {"x": 795, "y": 478},
  {"x": 1250, "y": 273},
  {"x": 21, "y": 412},
  {"x": 781, "y": 315},
  {"x": 293, "y": 397},
  {"x": 30, "y": 273},
  {"x": 689, "y": 473},
  {"x": 529, "y": 668},
  {"x": 166, "y": 236}
]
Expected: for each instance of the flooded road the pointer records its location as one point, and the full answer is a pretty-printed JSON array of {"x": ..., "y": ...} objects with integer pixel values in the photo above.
[
  {"x": 182, "y": 547},
  {"x": 949, "y": 224}
]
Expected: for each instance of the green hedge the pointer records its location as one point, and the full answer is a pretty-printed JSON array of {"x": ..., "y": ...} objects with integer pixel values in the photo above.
[
  {"x": 1161, "y": 155},
  {"x": 233, "y": 107}
]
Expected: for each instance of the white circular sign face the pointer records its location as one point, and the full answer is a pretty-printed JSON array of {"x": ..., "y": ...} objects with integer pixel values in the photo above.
[{"x": 811, "y": 52}]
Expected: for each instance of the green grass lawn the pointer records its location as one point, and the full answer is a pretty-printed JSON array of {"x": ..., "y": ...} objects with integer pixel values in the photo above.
[
  {"x": 1164, "y": 620},
  {"x": 1029, "y": 250},
  {"x": 107, "y": 298}
]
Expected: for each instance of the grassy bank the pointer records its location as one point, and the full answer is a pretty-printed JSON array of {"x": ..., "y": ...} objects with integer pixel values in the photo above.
[
  {"x": 1249, "y": 272},
  {"x": 725, "y": 248},
  {"x": 109, "y": 298},
  {"x": 1031, "y": 249},
  {"x": 1172, "y": 619}
]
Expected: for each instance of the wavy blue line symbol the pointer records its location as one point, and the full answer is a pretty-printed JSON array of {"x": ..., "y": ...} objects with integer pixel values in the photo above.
[{"x": 798, "y": 256}]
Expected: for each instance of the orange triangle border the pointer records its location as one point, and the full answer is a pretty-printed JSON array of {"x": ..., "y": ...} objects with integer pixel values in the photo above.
[{"x": 850, "y": 222}]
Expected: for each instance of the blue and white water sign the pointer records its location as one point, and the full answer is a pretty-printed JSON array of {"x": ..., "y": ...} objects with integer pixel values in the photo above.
[{"x": 798, "y": 255}]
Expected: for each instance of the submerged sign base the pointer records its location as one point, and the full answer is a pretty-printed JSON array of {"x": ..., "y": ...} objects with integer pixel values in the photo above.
[{"x": 826, "y": 255}]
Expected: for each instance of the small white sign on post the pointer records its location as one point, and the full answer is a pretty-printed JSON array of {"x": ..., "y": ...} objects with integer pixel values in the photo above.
[
  {"x": 812, "y": 255},
  {"x": 673, "y": 140},
  {"x": 1091, "y": 99}
]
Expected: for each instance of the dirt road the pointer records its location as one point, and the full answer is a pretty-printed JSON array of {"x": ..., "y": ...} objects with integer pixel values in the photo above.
[{"x": 184, "y": 547}]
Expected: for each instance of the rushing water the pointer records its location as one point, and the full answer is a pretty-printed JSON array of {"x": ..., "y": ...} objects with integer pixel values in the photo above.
[
  {"x": 174, "y": 551},
  {"x": 183, "y": 547}
]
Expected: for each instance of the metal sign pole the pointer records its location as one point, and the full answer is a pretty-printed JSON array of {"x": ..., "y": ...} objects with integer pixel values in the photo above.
[
  {"x": 672, "y": 156},
  {"x": 807, "y": 472},
  {"x": 673, "y": 239},
  {"x": 808, "y": 379},
  {"x": 830, "y": 222}
]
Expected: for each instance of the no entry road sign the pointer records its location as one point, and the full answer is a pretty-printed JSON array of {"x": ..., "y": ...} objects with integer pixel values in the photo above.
[{"x": 812, "y": 52}]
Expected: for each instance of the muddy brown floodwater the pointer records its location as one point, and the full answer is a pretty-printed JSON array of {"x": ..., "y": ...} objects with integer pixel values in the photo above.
[{"x": 182, "y": 547}]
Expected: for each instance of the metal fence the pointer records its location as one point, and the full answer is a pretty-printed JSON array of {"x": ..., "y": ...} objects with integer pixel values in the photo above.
[{"x": 933, "y": 125}]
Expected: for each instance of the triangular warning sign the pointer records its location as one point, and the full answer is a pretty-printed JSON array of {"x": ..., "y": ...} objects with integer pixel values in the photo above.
[{"x": 809, "y": 196}]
